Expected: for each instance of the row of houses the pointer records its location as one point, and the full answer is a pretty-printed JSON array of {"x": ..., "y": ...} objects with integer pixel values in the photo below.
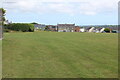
[{"x": 68, "y": 28}]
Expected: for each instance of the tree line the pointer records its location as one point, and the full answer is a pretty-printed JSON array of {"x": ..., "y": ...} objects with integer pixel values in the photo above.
[{"x": 24, "y": 27}]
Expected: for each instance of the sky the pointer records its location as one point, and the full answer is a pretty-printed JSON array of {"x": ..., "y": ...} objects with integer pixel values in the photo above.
[{"x": 80, "y": 12}]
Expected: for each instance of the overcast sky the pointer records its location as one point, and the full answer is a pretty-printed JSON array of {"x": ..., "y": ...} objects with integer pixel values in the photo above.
[{"x": 80, "y": 12}]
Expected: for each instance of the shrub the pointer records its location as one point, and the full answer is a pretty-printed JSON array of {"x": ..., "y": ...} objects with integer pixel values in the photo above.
[
  {"x": 47, "y": 28},
  {"x": 107, "y": 30},
  {"x": 6, "y": 30},
  {"x": 24, "y": 27}
]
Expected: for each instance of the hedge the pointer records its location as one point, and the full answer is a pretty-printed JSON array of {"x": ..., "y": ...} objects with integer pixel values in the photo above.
[
  {"x": 25, "y": 27},
  {"x": 107, "y": 30}
]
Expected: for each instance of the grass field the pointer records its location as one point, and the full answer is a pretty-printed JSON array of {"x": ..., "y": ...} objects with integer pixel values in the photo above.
[
  {"x": 60, "y": 55},
  {"x": 0, "y": 59}
]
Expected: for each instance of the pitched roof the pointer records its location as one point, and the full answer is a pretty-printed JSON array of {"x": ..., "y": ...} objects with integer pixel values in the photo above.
[
  {"x": 50, "y": 25},
  {"x": 88, "y": 28},
  {"x": 99, "y": 29}
]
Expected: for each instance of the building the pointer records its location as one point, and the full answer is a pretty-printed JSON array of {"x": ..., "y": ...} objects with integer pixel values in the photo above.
[
  {"x": 76, "y": 29},
  {"x": 99, "y": 30},
  {"x": 90, "y": 29},
  {"x": 82, "y": 29},
  {"x": 114, "y": 29},
  {"x": 39, "y": 27},
  {"x": 7, "y": 22},
  {"x": 52, "y": 27},
  {"x": 65, "y": 27}
]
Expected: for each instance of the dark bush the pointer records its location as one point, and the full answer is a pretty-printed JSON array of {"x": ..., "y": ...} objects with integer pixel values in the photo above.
[
  {"x": 107, "y": 30},
  {"x": 24, "y": 27},
  {"x": 6, "y": 30}
]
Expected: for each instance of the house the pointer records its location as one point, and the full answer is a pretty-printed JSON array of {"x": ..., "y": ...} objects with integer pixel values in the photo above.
[
  {"x": 115, "y": 29},
  {"x": 90, "y": 29},
  {"x": 76, "y": 29},
  {"x": 7, "y": 22},
  {"x": 99, "y": 30},
  {"x": 65, "y": 27},
  {"x": 39, "y": 27},
  {"x": 52, "y": 27},
  {"x": 82, "y": 29}
]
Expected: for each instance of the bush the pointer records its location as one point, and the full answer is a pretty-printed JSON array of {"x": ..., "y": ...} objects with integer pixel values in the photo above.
[
  {"x": 6, "y": 30},
  {"x": 24, "y": 27},
  {"x": 107, "y": 30},
  {"x": 114, "y": 31}
]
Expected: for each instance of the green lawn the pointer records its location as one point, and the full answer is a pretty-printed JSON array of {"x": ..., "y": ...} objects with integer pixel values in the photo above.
[
  {"x": 0, "y": 59},
  {"x": 60, "y": 55}
]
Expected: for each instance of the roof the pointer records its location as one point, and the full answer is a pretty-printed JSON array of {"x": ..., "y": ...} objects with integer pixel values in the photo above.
[
  {"x": 39, "y": 25},
  {"x": 65, "y": 24},
  {"x": 88, "y": 28},
  {"x": 114, "y": 28},
  {"x": 50, "y": 25},
  {"x": 99, "y": 29}
]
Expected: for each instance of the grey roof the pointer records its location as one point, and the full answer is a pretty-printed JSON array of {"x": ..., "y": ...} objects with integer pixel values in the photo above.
[
  {"x": 39, "y": 25},
  {"x": 88, "y": 28},
  {"x": 50, "y": 25},
  {"x": 114, "y": 28},
  {"x": 65, "y": 24},
  {"x": 99, "y": 29}
]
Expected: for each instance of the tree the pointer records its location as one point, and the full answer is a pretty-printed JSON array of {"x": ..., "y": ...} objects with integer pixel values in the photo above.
[
  {"x": 3, "y": 14},
  {"x": 24, "y": 27},
  {"x": 34, "y": 23},
  {"x": 2, "y": 18},
  {"x": 47, "y": 28},
  {"x": 107, "y": 30}
]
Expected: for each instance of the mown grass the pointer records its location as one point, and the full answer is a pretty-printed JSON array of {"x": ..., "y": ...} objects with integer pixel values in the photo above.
[
  {"x": 60, "y": 55},
  {"x": 0, "y": 59}
]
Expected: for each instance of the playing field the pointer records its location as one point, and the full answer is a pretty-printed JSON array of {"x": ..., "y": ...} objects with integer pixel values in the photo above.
[
  {"x": 0, "y": 59},
  {"x": 60, "y": 55}
]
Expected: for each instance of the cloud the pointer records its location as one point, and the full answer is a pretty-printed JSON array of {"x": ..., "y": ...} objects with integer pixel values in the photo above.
[{"x": 71, "y": 7}]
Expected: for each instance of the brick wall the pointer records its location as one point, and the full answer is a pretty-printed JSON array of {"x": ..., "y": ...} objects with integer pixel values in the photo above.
[{"x": 77, "y": 29}]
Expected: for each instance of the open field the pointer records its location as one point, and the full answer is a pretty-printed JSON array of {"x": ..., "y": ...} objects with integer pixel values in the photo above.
[
  {"x": 60, "y": 55},
  {"x": 0, "y": 59}
]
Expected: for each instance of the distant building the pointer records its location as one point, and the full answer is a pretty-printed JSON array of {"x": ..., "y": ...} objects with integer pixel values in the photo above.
[
  {"x": 65, "y": 27},
  {"x": 40, "y": 27},
  {"x": 114, "y": 29},
  {"x": 82, "y": 29},
  {"x": 77, "y": 29},
  {"x": 99, "y": 30},
  {"x": 52, "y": 27},
  {"x": 7, "y": 22},
  {"x": 90, "y": 29}
]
